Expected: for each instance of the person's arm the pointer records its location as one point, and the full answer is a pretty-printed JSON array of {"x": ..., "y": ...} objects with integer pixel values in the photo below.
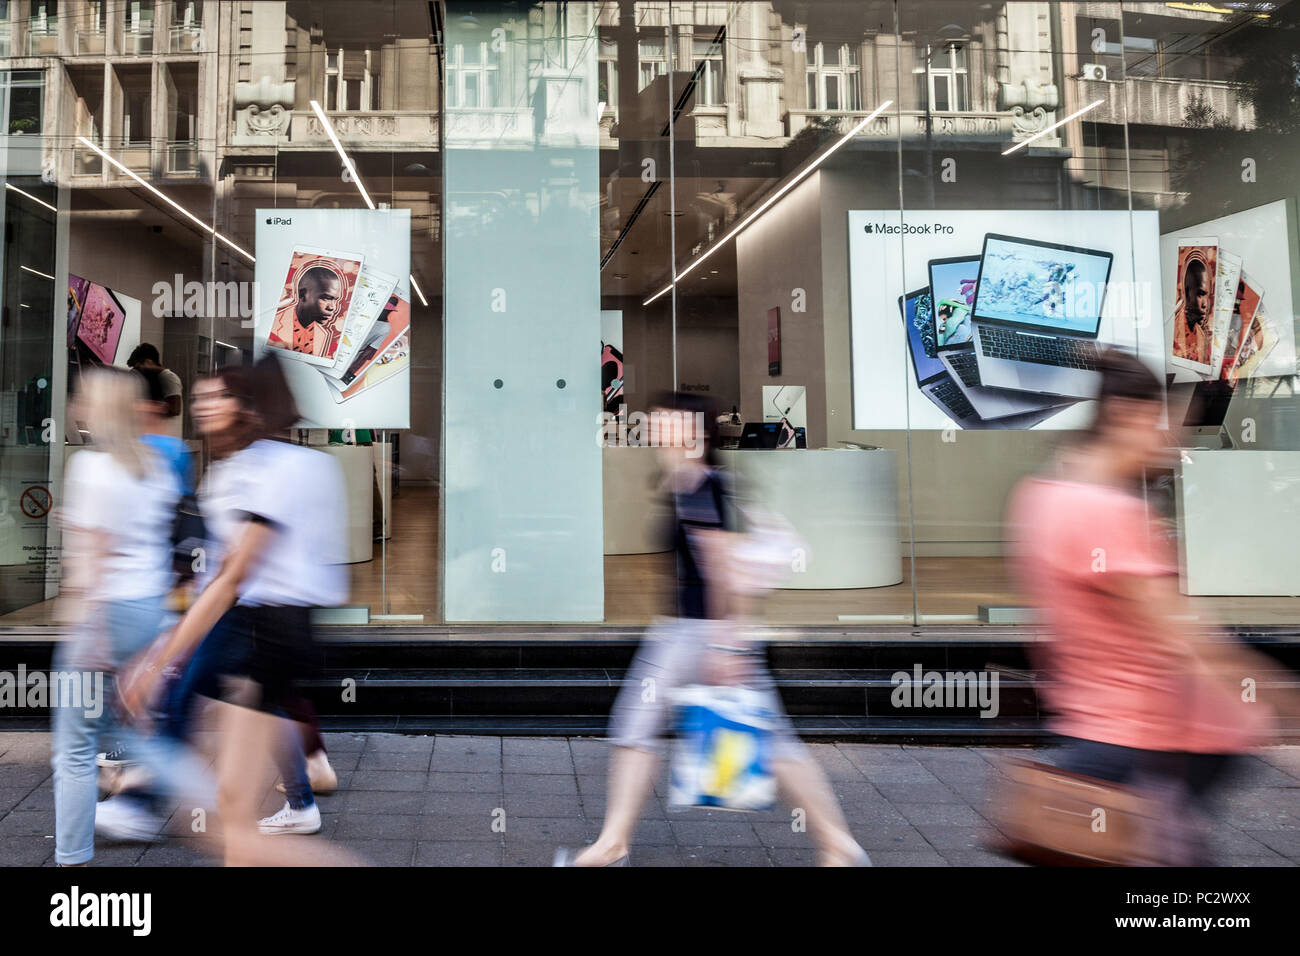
[
  {"x": 173, "y": 406},
  {"x": 215, "y": 600}
]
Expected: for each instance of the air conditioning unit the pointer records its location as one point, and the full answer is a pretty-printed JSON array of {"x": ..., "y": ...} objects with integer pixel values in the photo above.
[{"x": 1093, "y": 71}]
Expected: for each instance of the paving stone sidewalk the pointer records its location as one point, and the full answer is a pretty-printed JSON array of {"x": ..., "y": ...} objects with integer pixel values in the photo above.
[{"x": 432, "y": 801}]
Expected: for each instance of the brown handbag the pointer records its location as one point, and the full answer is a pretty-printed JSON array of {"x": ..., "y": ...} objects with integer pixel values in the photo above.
[{"x": 1054, "y": 817}]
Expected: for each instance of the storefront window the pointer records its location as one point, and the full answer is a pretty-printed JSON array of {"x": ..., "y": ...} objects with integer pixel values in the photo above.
[{"x": 839, "y": 222}]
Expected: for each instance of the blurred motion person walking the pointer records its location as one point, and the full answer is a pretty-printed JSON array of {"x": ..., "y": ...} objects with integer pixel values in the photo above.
[
  {"x": 707, "y": 641},
  {"x": 1137, "y": 697},
  {"x": 121, "y": 498},
  {"x": 273, "y": 511}
]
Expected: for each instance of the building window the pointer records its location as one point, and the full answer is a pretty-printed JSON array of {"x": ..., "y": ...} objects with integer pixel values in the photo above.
[
  {"x": 707, "y": 55},
  {"x": 20, "y": 100},
  {"x": 351, "y": 81},
  {"x": 135, "y": 120},
  {"x": 652, "y": 56},
  {"x": 187, "y": 27},
  {"x": 5, "y": 31},
  {"x": 473, "y": 77},
  {"x": 139, "y": 26},
  {"x": 945, "y": 86},
  {"x": 607, "y": 73},
  {"x": 833, "y": 77},
  {"x": 44, "y": 19}
]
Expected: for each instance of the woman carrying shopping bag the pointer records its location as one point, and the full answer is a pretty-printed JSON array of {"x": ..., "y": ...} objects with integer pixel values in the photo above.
[{"x": 707, "y": 642}]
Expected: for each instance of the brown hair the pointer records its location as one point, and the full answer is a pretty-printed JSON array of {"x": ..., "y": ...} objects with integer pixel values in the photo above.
[
  {"x": 1124, "y": 377},
  {"x": 267, "y": 408}
]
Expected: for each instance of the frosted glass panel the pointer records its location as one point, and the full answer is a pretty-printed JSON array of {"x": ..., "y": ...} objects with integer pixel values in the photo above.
[{"x": 521, "y": 463}]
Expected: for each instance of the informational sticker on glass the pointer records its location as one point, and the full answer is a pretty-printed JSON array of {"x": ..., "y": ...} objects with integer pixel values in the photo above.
[
  {"x": 985, "y": 319},
  {"x": 338, "y": 315}
]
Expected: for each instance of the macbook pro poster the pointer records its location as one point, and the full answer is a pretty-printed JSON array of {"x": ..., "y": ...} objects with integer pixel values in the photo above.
[{"x": 1007, "y": 309}]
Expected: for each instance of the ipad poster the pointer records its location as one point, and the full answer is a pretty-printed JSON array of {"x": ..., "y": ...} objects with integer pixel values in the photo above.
[
  {"x": 1257, "y": 244},
  {"x": 334, "y": 303},
  {"x": 1075, "y": 271}
]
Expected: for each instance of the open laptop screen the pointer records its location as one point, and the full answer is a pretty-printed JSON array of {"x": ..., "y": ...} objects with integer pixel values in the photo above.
[
  {"x": 952, "y": 287},
  {"x": 1042, "y": 284},
  {"x": 920, "y": 335}
]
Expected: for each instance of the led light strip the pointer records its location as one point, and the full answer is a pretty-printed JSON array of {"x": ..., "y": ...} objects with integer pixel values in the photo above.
[
  {"x": 171, "y": 202},
  {"x": 1059, "y": 123},
  {"x": 37, "y": 272},
  {"x": 808, "y": 170},
  {"x": 347, "y": 162},
  {"x": 416, "y": 286},
  {"x": 23, "y": 192}
]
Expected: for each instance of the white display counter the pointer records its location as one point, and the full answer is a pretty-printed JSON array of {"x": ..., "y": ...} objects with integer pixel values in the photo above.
[
  {"x": 636, "y": 518},
  {"x": 358, "y": 465},
  {"x": 1238, "y": 522},
  {"x": 843, "y": 502}
]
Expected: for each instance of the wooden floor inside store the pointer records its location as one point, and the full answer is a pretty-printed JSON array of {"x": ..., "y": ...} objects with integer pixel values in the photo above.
[{"x": 948, "y": 590}]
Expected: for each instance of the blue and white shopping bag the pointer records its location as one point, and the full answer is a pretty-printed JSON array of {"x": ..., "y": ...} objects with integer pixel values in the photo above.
[{"x": 722, "y": 754}]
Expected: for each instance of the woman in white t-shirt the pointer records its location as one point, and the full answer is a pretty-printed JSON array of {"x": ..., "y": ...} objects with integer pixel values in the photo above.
[
  {"x": 117, "y": 520},
  {"x": 272, "y": 511}
]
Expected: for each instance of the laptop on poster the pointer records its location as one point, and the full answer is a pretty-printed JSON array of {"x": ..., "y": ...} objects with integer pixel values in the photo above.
[
  {"x": 937, "y": 384},
  {"x": 1036, "y": 315},
  {"x": 952, "y": 286}
]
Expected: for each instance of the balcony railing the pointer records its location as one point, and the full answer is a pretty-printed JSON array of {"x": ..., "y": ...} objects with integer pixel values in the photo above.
[
  {"x": 42, "y": 40},
  {"x": 90, "y": 41},
  {"x": 182, "y": 157},
  {"x": 138, "y": 42},
  {"x": 968, "y": 126},
  {"x": 185, "y": 38},
  {"x": 1158, "y": 102},
  {"x": 381, "y": 129}
]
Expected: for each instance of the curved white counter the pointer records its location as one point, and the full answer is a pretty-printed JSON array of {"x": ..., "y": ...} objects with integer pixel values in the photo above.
[{"x": 843, "y": 502}]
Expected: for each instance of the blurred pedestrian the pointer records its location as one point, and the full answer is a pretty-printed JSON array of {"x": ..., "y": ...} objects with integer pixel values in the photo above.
[
  {"x": 1136, "y": 698},
  {"x": 120, "y": 500},
  {"x": 273, "y": 509},
  {"x": 708, "y": 641}
]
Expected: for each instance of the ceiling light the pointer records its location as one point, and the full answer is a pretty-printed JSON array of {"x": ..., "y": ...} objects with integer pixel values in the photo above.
[
  {"x": 36, "y": 272},
  {"x": 171, "y": 202},
  {"x": 416, "y": 286},
  {"x": 347, "y": 162},
  {"x": 1043, "y": 132},
  {"x": 23, "y": 192}
]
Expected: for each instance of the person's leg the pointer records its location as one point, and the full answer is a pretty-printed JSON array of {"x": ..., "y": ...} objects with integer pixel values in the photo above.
[
  {"x": 248, "y": 739},
  {"x": 292, "y": 764},
  {"x": 638, "y": 720},
  {"x": 76, "y": 782},
  {"x": 805, "y": 786},
  {"x": 631, "y": 778}
]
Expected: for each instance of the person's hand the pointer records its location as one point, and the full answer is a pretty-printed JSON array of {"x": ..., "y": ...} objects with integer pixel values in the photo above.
[{"x": 139, "y": 680}]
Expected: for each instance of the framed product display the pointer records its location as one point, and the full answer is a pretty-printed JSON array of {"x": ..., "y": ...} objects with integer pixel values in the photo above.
[
  {"x": 340, "y": 317},
  {"x": 1192, "y": 345}
]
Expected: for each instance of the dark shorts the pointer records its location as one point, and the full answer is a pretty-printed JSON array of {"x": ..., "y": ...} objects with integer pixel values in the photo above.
[{"x": 279, "y": 650}]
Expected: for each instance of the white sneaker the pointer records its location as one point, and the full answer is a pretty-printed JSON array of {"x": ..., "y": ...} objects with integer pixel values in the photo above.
[
  {"x": 289, "y": 820},
  {"x": 121, "y": 819}
]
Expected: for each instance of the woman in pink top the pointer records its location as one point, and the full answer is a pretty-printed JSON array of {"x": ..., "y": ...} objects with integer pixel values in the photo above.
[{"x": 1131, "y": 688}]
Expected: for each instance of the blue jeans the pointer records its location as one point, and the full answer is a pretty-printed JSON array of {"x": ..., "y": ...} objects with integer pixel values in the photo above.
[{"x": 129, "y": 627}]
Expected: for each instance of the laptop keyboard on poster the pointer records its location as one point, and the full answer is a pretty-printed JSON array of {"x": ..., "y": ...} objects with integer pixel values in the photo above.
[
  {"x": 965, "y": 366},
  {"x": 1040, "y": 350},
  {"x": 951, "y": 397}
]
